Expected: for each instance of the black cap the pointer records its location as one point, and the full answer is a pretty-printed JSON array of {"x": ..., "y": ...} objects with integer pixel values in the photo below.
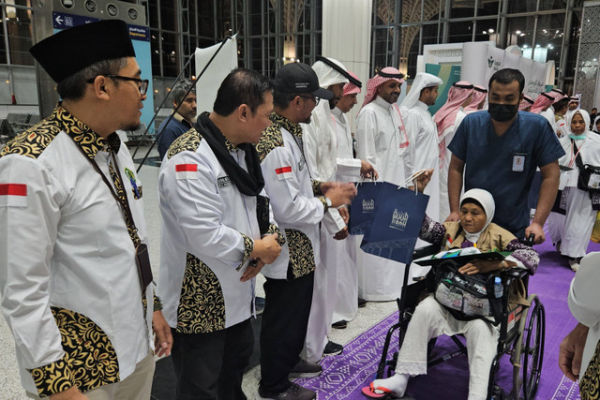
[
  {"x": 300, "y": 78},
  {"x": 73, "y": 49}
]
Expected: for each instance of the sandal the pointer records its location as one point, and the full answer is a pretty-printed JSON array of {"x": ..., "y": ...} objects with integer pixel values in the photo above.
[{"x": 369, "y": 391}]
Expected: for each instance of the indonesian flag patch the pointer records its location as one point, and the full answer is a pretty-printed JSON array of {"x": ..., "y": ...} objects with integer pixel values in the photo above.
[
  {"x": 13, "y": 194},
  {"x": 284, "y": 173},
  {"x": 186, "y": 171}
]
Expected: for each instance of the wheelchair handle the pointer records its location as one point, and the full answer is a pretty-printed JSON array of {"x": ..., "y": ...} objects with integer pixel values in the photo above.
[{"x": 529, "y": 241}]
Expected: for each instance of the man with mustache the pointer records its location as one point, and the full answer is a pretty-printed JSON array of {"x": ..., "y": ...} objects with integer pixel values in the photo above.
[{"x": 383, "y": 141}]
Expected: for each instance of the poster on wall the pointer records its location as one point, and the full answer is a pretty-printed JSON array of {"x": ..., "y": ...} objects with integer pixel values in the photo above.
[
  {"x": 140, "y": 38},
  {"x": 480, "y": 61},
  {"x": 450, "y": 74}
]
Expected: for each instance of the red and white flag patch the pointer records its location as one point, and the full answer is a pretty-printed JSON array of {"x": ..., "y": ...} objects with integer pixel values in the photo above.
[
  {"x": 186, "y": 171},
  {"x": 13, "y": 194},
  {"x": 284, "y": 172}
]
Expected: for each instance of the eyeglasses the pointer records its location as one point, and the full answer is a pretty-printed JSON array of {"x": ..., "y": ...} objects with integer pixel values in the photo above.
[
  {"x": 313, "y": 98},
  {"x": 141, "y": 83}
]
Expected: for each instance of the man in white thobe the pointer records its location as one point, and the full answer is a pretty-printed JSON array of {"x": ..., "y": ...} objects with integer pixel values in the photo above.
[
  {"x": 346, "y": 291},
  {"x": 383, "y": 141},
  {"x": 423, "y": 131},
  {"x": 320, "y": 148}
]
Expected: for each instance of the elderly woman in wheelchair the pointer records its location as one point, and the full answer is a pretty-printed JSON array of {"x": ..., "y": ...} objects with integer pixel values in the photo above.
[{"x": 431, "y": 318}]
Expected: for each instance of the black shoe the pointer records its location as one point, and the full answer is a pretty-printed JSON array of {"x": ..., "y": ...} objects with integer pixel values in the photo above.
[
  {"x": 305, "y": 369},
  {"x": 294, "y": 392},
  {"x": 332, "y": 349},
  {"x": 341, "y": 324},
  {"x": 259, "y": 305},
  {"x": 361, "y": 303}
]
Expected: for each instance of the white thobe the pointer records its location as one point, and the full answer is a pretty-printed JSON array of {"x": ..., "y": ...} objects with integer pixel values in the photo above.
[
  {"x": 447, "y": 136},
  {"x": 320, "y": 149},
  {"x": 382, "y": 142},
  {"x": 204, "y": 214},
  {"x": 346, "y": 291},
  {"x": 548, "y": 113},
  {"x": 423, "y": 131}
]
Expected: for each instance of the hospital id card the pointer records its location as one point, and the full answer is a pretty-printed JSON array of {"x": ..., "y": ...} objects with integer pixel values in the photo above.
[{"x": 518, "y": 164}]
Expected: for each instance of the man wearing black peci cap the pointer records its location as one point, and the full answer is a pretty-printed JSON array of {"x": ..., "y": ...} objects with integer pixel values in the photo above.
[
  {"x": 298, "y": 212},
  {"x": 75, "y": 274}
]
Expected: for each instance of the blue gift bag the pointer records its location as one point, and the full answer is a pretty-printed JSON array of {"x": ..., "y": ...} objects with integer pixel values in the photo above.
[
  {"x": 396, "y": 224},
  {"x": 362, "y": 209}
]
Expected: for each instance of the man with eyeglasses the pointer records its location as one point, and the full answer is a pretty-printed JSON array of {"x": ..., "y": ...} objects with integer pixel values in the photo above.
[
  {"x": 299, "y": 205},
  {"x": 325, "y": 164},
  {"x": 74, "y": 273}
]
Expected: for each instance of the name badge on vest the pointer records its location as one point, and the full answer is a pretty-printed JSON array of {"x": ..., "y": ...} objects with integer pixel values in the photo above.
[
  {"x": 301, "y": 165},
  {"x": 518, "y": 164}
]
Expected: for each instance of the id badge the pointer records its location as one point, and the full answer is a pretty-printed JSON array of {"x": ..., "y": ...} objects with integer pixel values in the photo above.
[
  {"x": 143, "y": 264},
  {"x": 518, "y": 164}
]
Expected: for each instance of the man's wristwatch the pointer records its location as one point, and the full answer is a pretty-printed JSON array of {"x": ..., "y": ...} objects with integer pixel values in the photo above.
[{"x": 328, "y": 201}]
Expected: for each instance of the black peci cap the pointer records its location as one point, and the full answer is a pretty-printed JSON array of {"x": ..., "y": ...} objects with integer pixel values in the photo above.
[
  {"x": 71, "y": 50},
  {"x": 299, "y": 78}
]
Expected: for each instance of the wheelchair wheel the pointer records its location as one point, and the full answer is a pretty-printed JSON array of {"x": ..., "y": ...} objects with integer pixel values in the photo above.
[{"x": 529, "y": 351}]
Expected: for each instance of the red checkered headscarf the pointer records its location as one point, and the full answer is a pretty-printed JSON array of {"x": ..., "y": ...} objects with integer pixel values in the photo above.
[
  {"x": 379, "y": 80},
  {"x": 544, "y": 100},
  {"x": 351, "y": 88},
  {"x": 479, "y": 95},
  {"x": 457, "y": 95},
  {"x": 526, "y": 103}
]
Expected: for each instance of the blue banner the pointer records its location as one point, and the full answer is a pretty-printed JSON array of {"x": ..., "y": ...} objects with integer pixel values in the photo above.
[{"x": 396, "y": 224}]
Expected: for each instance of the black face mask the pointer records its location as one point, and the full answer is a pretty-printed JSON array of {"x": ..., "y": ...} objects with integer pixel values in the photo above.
[{"x": 502, "y": 112}]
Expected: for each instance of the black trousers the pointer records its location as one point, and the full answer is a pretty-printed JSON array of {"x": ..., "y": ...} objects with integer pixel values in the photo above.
[
  {"x": 210, "y": 366},
  {"x": 283, "y": 331}
]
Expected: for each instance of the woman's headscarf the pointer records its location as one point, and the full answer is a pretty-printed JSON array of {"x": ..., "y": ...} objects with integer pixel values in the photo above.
[
  {"x": 590, "y": 152},
  {"x": 485, "y": 199},
  {"x": 586, "y": 119},
  {"x": 595, "y": 122}
]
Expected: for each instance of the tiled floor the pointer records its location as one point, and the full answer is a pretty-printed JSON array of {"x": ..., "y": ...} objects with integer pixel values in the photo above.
[{"x": 9, "y": 378}]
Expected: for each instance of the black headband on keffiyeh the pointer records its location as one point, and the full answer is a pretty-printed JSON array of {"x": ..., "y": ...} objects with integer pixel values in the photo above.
[{"x": 339, "y": 69}]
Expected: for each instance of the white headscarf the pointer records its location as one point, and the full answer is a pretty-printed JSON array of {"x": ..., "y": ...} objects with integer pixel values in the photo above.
[
  {"x": 590, "y": 150},
  {"x": 422, "y": 80},
  {"x": 595, "y": 123},
  {"x": 327, "y": 75},
  {"x": 486, "y": 200}
]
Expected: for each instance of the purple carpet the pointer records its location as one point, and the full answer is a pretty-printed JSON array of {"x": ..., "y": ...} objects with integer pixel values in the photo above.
[{"x": 344, "y": 375}]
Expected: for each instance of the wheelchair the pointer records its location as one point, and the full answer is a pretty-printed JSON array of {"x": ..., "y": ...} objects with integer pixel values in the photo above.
[{"x": 522, "y": 335}]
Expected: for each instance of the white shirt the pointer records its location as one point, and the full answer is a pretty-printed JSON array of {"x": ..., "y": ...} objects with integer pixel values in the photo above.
[
  {"x": 423, "y": 131},
  {"x": 548, "y": 113},
  {"x": 348, "y": 167},
  {"x": 289, "y": 187},
  {"x": 204, "y": 214},
  {"x": 382, "y": 141},
  {"x": 69, "y": 248}
]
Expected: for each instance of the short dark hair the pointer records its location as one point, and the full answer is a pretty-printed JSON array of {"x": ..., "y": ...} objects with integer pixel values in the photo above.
[
  {"x": 241, "y": 86},
  {"x": 561, "y": 104},
  {"x": 594, "y": 108},
  {"x": 73, "y": 87},
  {"x": 506, "y": 76}
]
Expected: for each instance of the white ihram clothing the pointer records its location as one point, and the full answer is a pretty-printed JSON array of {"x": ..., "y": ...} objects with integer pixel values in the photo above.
[
  {"x": 574, "y": 229},
  {"x": 548, "y": 113},
  {"x": 382, "y": 141},
  {"x": 320, "y": 149},
  {"x": 431, "y": 320}
]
